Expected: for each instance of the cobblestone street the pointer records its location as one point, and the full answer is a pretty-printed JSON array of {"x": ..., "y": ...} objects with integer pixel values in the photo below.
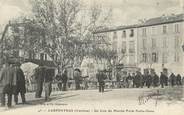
[{"x": 118, "y": 101}]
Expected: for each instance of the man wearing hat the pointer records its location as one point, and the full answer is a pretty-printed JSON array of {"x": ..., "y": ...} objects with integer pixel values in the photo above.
[
  {"x": 59, "y": 79},
  {"x": 77, "y": 75},
  {"x": 101, "y": 77},
  {"x": 64, "y": 80},
  {"x": 39, "y": 77},
  {"x": 162, "y": 79},
  {"x": 20, "y": 88},
  {"x": 48, "y": 83},
  {"x": 8, "y": 81}
]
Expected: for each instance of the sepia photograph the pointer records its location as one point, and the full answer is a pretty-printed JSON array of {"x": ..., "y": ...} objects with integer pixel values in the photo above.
[{"x": 92, "y": 57}]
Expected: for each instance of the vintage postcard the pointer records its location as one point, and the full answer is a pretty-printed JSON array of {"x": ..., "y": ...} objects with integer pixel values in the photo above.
[{"x": 92, "y": 57}]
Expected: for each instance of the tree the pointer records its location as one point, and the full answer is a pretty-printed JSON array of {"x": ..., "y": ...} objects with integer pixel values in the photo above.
[
  {"x": 103, "y": 51},
  {"x": 57, "y": 17},
  {"x": 108, "y": 54},
  {"x": 68, "y": 37}
]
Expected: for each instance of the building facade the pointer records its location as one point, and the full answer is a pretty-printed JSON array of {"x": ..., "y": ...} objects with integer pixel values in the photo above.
[
  {"x": 154, "y": 44},
  {"x": 123, "y": 40},
  {"x": 160, "y": 42}
]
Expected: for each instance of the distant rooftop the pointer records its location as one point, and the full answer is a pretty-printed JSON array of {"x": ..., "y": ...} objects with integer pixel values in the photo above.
[
  {"x": 115, "y": 28},
  {"x": 164, "y": 19}
]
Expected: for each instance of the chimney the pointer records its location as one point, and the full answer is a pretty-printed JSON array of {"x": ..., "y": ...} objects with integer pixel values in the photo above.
[
  {"x": 142, "y": 21},
  {"x": 165, "y": 17}
]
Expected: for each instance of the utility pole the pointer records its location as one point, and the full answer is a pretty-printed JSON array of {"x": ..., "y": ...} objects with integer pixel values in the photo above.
[{"x": 3, "y": 43}]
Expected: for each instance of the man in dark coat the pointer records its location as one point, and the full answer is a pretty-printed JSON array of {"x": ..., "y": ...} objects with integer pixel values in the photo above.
[
  {"x": 77, "y": 75},
  {"x": 155, "y": 79},
  {"x": 163, "y": 79},
  {"x": 21, "y": 85},
  {"x": 133, "y": 78},
  {"x": 138, "y": 79},
  {"x": 129, "y": 80},
  {"x": 101, "y": 77},
  {"x": 48, "y": 83},
  {"x": 144, "y": 79},
  {"x": 118, "y": 79},
  {"x": 148, "y": 80},
  {"x": 166, "y": 80},
  {"x": 178, "y": 80},
  {"x": 59, "y": 79},
  {"x": 172, "y": 79},
  {"x": 8, "y": 81},
  {"x": 64, "y": 80},
  {"x": 39, "y": 77}
]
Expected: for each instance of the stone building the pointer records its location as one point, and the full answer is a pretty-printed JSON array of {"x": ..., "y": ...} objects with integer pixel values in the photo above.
[
  {"x": 153, "y": 44},
  {"x": 123, "y": 40},
  {"x": 160, "y": 42}
]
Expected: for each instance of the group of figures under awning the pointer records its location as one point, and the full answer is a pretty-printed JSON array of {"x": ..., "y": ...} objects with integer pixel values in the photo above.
[{"x": 29, "y": 65}]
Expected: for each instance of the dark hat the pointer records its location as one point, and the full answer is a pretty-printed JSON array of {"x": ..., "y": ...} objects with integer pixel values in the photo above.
[
  {"x": 77, "y": 70},
  {"x": 12, "y": 60},
  {"x": 18, "y": 63},
  {"x": 9, "y": 62}
]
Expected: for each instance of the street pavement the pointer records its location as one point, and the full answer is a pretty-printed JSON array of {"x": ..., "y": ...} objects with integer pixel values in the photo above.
[{"x": 112, "y": 101}]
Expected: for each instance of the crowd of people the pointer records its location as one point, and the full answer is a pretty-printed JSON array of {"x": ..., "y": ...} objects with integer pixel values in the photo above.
[
  {"x": 147, "y": 79},
  {"x": 133, "y": 80},
  {"x": 43, "y": 76},
  {"x": 62, "y": 80},
  {"x": 79, "y": 81},
  {"x": 12, "y": 80}
]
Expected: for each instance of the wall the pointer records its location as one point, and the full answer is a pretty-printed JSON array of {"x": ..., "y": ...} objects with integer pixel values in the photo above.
[{"x": 166, "y": 46}]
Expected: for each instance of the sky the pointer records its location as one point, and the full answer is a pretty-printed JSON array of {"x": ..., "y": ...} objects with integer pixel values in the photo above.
[{"x": 124, "y": 12}]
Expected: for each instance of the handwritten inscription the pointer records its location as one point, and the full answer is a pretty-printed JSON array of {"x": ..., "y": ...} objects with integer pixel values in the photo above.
[{"x": 143, "y": 99}]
